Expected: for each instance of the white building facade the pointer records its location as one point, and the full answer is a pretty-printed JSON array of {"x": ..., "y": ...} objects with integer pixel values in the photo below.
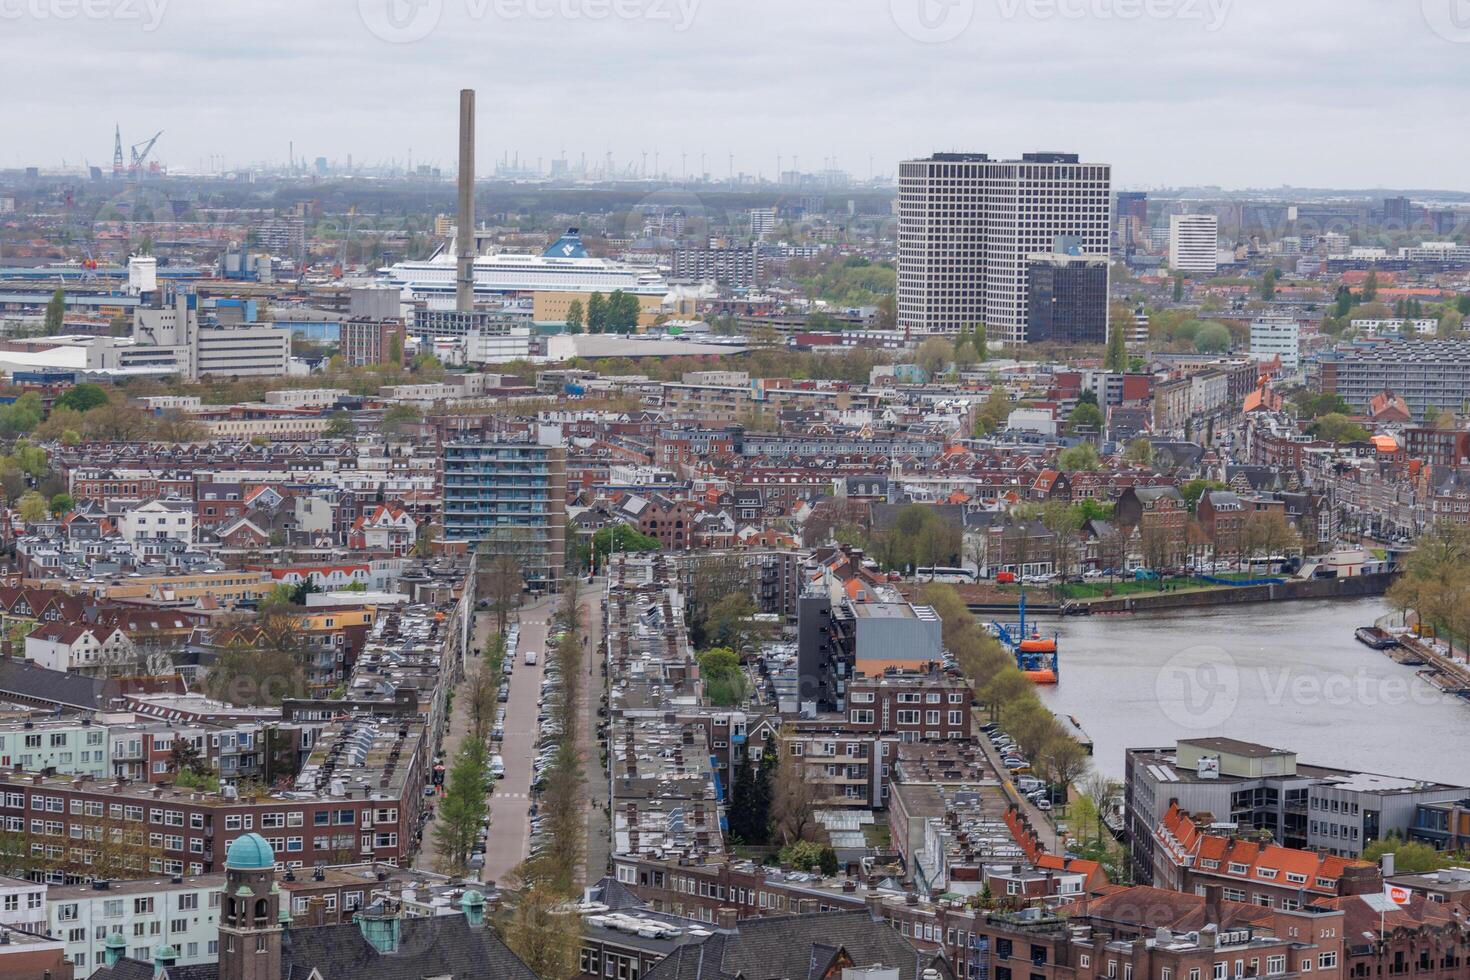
[
  {"x": 1277, "y": 336},
  {"x": 1194, "y": 243},
  {"x": 967, "y": 224}
]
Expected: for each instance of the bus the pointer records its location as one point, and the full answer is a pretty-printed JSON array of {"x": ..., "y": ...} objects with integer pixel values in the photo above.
[{"x": 947, "y": 576}]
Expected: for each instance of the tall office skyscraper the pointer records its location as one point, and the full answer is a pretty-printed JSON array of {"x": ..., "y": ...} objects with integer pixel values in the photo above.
[
  {"x": 1194, "y": 243},
  {"x": 968, "y": 227}
]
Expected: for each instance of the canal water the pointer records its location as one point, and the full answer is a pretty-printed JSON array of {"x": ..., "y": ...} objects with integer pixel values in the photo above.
[{"x": 1289, "y": 675}]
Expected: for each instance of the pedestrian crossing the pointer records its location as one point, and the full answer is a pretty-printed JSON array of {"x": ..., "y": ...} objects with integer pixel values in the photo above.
[{"x": 512, "y": 796}]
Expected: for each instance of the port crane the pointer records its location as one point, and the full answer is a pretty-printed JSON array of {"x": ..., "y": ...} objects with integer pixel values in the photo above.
[{"x": 140, "y": 158}]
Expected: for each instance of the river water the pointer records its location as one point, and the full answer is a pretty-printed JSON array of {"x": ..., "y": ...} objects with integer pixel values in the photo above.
[{"x": 1289, "y": 675}]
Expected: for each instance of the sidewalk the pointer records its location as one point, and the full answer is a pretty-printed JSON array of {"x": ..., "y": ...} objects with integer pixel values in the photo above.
[
  {"x": 459, "y": 726},
  {"x": 1041, "y": 820},
  {"x": 599, "y": 834}
]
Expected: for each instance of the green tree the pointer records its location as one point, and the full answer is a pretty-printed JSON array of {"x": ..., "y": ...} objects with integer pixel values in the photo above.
[
  {"x": 457, "y": 819},
  {"x": 575, "y": 316},
  {"x": 1268, "y": 284},
  {"x": 398, "y": 416},
  {"x": 1140, "y": 452},
  {"x": 1193, "y": 490},
  {"x": 621, "y": 538},
  {"x": 724, "y": 681},
  {"x": 731, "y": 623},
  {"x": 750, "y": 808},
  {"x": 281, "y": 594},
  {"x": 992, "y": 414},
  {"x": 83, "y": 398},
  {"x": 1116, "y": 358},
  {"x": 977, "y": 340},
  {"x": 621, "y": 312},
  {"x": 340, "y": 426},
  {"x": 62, "y": 504},
  {"x": 1338, "y": 428},
  {"x": 1085, "y": 417},
  {"x": 32, "y": 507},
  {"x": 964, "y": 351},
  {"x": 1178, "y": 289},
  {"x": 55, "y": 321},
  {"x": 21, "y": 416},
  {"x": 933, "y": 357},
  {"x": 1079, "y": 458},
  {"x": 1409, "y": 857},
  {"x": 1462, "y": 304},
  {"x": 596, "y": 313},
  {"x": 1212, "y": 338},
  {"x": 1370, "y": 287}
]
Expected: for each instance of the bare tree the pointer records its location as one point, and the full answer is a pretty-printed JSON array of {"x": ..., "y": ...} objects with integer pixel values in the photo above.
[
  {"x": 1100, "y": 791},
  {"x": 544, "y": 933},
  {"x": 794, "y": 798},
  {"x": 501, "y": 583}
]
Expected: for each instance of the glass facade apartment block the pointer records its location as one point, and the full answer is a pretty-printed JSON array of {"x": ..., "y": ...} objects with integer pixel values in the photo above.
[{"x": 509, "y": 496}]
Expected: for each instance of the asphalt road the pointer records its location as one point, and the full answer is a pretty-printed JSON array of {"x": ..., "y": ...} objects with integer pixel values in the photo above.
[{"x": 510, "y": 821}]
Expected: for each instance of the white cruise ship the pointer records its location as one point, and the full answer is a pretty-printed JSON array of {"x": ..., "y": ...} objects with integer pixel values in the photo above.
[{"x": 564, "y": 267}]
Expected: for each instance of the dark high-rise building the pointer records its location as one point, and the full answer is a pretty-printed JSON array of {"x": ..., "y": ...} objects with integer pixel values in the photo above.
[
  {"x": 1397, "y": 210},
  {"x": 1067, "y": 299},
  {"x": 1131, "y": 217}
]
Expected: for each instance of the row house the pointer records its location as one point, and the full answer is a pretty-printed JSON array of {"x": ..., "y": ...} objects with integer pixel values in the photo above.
[
  {"x": 80, "y": 648},
  {"x": 1159, "y": 515},
  {"x": 88, "y": 483},
  {"x": 657, "y": 516},
  {"x": 389, "y": 528},
  {"x": 1153, "y": 934},
  {"x": 1438, "y": 447},
  {"x": 1189, "y": 856},
  {"x": 1447, "y": 493}
]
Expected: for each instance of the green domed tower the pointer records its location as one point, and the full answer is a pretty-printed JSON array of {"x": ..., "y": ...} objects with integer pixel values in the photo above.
[{"x": 249, "y": 922}]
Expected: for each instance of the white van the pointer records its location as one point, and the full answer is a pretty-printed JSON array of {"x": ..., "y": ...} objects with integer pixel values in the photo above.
[
  {"x": 497, "y": 767},
  {"x": 530, "y": 658}
]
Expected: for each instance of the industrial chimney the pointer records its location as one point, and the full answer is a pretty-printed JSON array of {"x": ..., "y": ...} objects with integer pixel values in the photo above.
[{"x": 464, "y": 291}]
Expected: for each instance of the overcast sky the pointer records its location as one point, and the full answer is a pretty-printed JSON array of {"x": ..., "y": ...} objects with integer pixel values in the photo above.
[{"x": 1240, "y": 93}]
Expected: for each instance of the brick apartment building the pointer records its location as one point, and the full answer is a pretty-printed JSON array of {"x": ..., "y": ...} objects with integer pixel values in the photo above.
[
  {"x": 174, "y": 830},
  {"x": 1160, "y": 516},
  {"x": 366, "y": 342},
  {"x": 914, "y": 707}
]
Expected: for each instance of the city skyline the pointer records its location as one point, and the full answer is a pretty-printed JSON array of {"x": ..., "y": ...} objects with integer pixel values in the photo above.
[{"x": 1147, "y": 94}]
